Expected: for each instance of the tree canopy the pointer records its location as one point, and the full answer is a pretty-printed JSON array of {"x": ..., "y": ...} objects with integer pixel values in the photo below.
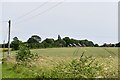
[
  {"x": 35, "y": 42},
  {"x": 15, "y": 43}
]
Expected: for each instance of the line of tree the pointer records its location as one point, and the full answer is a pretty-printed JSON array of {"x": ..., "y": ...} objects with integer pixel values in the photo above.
[{"x": 35, "y": 42}]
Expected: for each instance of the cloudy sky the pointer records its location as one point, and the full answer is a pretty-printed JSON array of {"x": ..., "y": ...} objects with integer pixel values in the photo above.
[{"x": 96, "y": 21}]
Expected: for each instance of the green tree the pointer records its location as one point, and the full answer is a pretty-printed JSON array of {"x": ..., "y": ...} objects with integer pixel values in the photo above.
[
  {"x": 96, "y": 45},
  {"x": 118, "y": 44},
  {"x": 60, "y": 42},
  {"x": 74, "y": 41},
  {"x": 67, "y": 40},
  {"x": 34, "y": 41},
  {"x": 15, "y": 43},
  {"x": 48, "y": 43},
  {"x": 24, "y": 55},
  {"x": 59, "y": 38},
  {"x": 37, "y": 38},
  {"x": 86, "y": 42}
]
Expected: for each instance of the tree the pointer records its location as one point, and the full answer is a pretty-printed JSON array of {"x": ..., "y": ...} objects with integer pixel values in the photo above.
[
  {"x": 104, "y": 45},
  {"x": 48, "y": 43},
  {"x": 67, "y": 40},
  {"x": 118, "y": 44},
  {"x": 37, "y": 38},
  {"x": 74, "y": 41},
  {"x": 15, "y": 43},
  {"x": 112, "y": 45},
  {"x": 15, "y": 38},
  {"x": 60, "y": 43},
  {"x": 59, "y": 38},
  {"x": 90, "y": 43},
  {"x": 86, "y": 42},
  {"x": 96, "y": 45},
  {"x": 24, "y": 55},
  {"x": 34, "y": 41}
]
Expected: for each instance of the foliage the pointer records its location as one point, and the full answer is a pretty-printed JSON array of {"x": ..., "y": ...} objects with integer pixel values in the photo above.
[
  {"x": 48, "y": 43},
  {"x": 24, "y": 55},
  {"x": 67, "y": 40},
  {"x": 86, "y": 43},
  {"x": 34, "y": 41},
  {"x": 15, "y": 43},
  {"x": 60, "y": 43},
  {"x": 59, "y": 38},
  {"x": 50, "y": 66},
  {"x": 36, "y": 37},
  {"x": 4, "y": 45},
  {"x": 85, "y": 67},
  {"x": 118, "y": 44},
  {"x": 110, "y": 45},
  {"x": 96, "y": 45}
]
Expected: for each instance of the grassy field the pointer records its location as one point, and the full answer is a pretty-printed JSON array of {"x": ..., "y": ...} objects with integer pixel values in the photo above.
[
  {"x": 97, "y": 52},
  {"x": 74, "y": 51},
  {"x": 51, "y": 57}
]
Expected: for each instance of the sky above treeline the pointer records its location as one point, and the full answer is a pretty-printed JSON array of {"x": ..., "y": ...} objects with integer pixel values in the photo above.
[{"x": 95, "y": 21}]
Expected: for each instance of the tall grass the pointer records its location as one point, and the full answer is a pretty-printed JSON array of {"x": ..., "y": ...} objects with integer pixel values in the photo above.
[{"x": 81, "y": 66}]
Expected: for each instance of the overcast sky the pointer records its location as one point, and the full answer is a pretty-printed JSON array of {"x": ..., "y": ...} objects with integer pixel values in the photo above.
[{"x": 96, "y": 21}]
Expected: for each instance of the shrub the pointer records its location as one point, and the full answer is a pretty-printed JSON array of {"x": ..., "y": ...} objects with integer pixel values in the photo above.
[
  {"x": 85, "y": 67},
  {"x": 24, "y": 55}
]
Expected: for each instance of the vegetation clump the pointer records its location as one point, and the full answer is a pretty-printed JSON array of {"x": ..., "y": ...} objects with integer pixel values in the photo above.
[
  {"x": 24, "y": 55},
  {"x": 85, "y": 67}
]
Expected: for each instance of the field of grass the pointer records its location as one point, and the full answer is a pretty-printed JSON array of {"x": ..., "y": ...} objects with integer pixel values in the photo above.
[
  {"x": 51, "y": 57},
  {"x": 94, "y": 51},
  {"x": 74, "y": 51}
]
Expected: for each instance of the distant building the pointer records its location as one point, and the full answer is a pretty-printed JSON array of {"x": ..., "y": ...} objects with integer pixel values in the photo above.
[
  {"x": 74, "y": 45},
  {"x": 70, "y": 45},
  {"x": 79, "y": 45},
  {"x": 84, "y": 45}
]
